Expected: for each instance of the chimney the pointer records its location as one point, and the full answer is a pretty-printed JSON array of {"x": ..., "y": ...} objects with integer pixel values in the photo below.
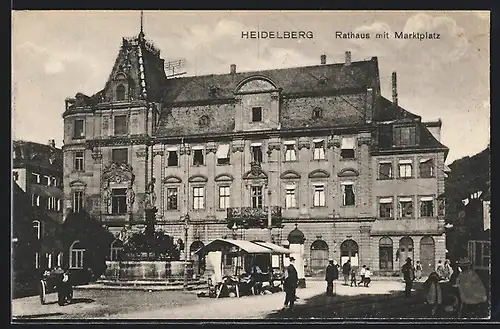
[
  {"x": 323, "y": 59},
  {"x": 52, "y": 143},
  {"x": 394, "y": 89},
  {"x": 347, "y": 58},
  {"x": 233, "y": 68}
]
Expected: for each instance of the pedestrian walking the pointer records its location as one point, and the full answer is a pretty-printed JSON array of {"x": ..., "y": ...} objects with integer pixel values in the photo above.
[
  {"x": 353, "y": 278},
  {"x": 332, "y": 274},
  {"x": 448, "y": 271},
  {"x": 408, "y": 276},
  {"x": 290, "y": 285},
  {"x": 367, "y": 280},
  {"x": 346, "y": 271},
  {"x": 418, "y": 271},
  {"x": 362, "y": 275}
]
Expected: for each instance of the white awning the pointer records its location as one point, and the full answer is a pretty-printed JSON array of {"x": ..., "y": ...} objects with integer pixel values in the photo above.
[
  {"x": 223, "y": 151},
  {"x": 348, "y": 143},
  {"x": 405, "y": 199},
  {"x": 317, "y": 140},
  {"x": 274, "y": 247},
  {"x": 426, "y": 198},
  {"x": 318, "y": 184},
  {"x": 385, "y": 161},
  {"x": 346, "y": 183},
  {"x": 197, "y": 147},
  {"x": 241, "y": 246},
  {"x": 424, "y": 160},
  {"x": 385, "y": 200},
  {"x": 289, "y": 142},
  {"x": 405, "y": 161},
  {"x": 171, "y": 148},
  {"x": 290, "y": 186},
  {"x": 256, "y": 144}
]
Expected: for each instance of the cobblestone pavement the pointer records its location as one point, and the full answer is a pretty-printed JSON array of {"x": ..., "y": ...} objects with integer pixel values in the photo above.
[{"x": 381, "y": 299}]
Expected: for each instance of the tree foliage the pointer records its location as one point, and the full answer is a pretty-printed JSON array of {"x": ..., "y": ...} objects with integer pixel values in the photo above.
[{"x": 160, "y": 246}]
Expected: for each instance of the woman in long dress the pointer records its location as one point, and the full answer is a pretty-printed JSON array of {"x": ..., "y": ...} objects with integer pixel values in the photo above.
[{"x": 418, "y": 271}]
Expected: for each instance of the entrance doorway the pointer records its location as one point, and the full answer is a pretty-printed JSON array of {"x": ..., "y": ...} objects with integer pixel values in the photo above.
[
  {"x": 427, "y": 257},
  {"x": 349, "y": 250},
  {"x": 405, "y": 250}
]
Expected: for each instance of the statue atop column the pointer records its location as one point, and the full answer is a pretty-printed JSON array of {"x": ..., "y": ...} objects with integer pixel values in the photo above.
[{"x": 150, "y": 198}]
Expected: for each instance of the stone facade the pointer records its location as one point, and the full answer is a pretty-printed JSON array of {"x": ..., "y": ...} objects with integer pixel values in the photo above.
[{"x": 197, "y": 141}]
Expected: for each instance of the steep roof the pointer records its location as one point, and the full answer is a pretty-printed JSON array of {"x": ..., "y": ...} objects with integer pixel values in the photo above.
[
  {"x": 37, "y": 154},
  {"x": 388, "y": 111},
  {"x": 291, "y": 80}
]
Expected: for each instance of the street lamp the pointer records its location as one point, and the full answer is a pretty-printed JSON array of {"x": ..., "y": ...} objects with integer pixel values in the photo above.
[
  {"x": 269, "y": 216},
  {"x": 186, "y": 251}
]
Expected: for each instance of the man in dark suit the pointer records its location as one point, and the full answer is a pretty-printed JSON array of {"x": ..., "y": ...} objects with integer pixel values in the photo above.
[
  {"x": 331, "y": 275},
  {"x": 408, "y": 276},
  {"x": 290, "y": 284}
]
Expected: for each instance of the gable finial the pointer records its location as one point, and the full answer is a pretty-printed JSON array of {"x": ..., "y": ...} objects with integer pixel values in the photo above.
[{"x": 141, "y": 34}]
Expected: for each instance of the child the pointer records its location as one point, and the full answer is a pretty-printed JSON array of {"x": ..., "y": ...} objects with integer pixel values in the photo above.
[
  {"x": 368, "y": 274},
  {"x": 353, "y": 278}
]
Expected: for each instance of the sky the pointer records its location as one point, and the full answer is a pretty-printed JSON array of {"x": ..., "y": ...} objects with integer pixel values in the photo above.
[{"x": 59, "y": 53}]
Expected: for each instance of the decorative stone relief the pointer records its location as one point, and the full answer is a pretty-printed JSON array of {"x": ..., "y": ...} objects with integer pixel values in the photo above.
[
  {"x": 97, "y": 156},
  {"x": 211, "y": 147},
  {"x": 365, "y": 141},
  {"x": 185, "y": 150},
  {"x": 336, "y": 141},
  {"x": 105, "y": 124},
  {"x": 141, "y": 153},
  {"x": 304, "y": 143},
  {"x": 150, "y": 197}
]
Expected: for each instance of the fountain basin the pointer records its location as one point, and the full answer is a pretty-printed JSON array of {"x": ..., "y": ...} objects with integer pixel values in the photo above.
[{"x": 146, "y": 270}]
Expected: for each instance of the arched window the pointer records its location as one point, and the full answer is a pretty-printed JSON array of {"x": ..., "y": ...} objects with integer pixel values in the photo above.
[
  {"x": 319, "y": 257},
  {"x": 116, "y": 250},
  {"x": 385, "y": 254},
  {"x": 198, "y": 262},
  {"x": 37, "y": 231},
  {"x": 405, "y": 250},
  {"x": 120, "y": 92},
  {"x": 427, "y": 254},
  {"x": 349, "y": 250},
  {"x": 317, "y": 113},
  {"x": 76, "y": 253}
]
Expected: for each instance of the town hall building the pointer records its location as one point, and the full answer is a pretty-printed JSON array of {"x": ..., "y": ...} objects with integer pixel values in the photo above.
[{"x": 317, "y": 146}]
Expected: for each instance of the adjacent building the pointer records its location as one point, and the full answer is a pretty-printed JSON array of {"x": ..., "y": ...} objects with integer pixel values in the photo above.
[
  {"x": 37, "y": 179},
  {"x": 318, "y": 146}
]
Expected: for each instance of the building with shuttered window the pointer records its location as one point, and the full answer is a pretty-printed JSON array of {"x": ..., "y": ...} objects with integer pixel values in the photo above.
[{"x": 318, "y": 146}]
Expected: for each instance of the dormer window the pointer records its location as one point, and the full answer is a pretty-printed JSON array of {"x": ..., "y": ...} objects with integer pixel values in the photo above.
[
  {"x": 317, "y": 113},
  {"x": 256, "y": 114},
  {"x": 212, "y": 91},
  {"x": 405, "y": 136},
  {"x": 120, "y": 92},
  {"x": 204, "y": 121}
]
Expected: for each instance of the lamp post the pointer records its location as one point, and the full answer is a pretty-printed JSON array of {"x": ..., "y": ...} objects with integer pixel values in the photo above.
[
  {"x": 269, "y": 215},
  {"x": 186, "y": 251}
]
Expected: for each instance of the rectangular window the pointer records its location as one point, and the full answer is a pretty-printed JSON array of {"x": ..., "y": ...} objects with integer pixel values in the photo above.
[
  {"x": 79, "y": 163},
  {"x": 385, "y": 208},
  {"x": 426, "y": 206},
  {"x": 119, "y": 155},
  {"x": 50, "y": 203},
  {"x": 405, "y": 136},
  {"x": 77, "y": 201},
  {"x": 78, "y": 129},
  {"x": 256, "y": 153},
  {"x": 348, "y": 198},
  {"x": 406, "y": 207},
  {"x": 426, "y": 169},
  {"x": 172, "y": 203},
  {"x": 121, "y": 124},
  {"x": 37, "y": 229},
  {"x": 224, "y": 197},
  {"x": 405, "y": 168},
  {"x": 58, "y": 205},
  {"x": 36, "y": 178},
  {"x": 385, "y": 170},
  {"x": 290, "y": 197},
  {"x": 347, "y": 147},
  {"x": 319, "y": 149},
  {"x": 77, "y": 258},
  {"x": 35, "y": 200},
  {"x": 290, "y": 154},
  {"x": 173, "y": 159},
  {"x": 319, "y": 196},
  {"x": 54, "y": 181},
  {"x": 256, "y": 114},
  {"x": 198, "y": 158},
  {"x": 119, "y": 201},
  {"x": 223, "y": 154},
  {"x": 198, "y": 198},
  {"x": 257, "y": 197}
]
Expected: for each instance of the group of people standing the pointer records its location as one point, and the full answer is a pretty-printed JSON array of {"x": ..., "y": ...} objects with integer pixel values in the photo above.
[{"x": 332, "y": 274}]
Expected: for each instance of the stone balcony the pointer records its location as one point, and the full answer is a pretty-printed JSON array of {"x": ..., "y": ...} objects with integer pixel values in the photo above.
[
  {"x": 409, "y": 226},
  {"x": 248, "y": 217}
]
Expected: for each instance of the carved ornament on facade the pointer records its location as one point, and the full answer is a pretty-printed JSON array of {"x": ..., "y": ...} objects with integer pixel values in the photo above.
[
  {"x": 150, "y": 195},
  {"x": 273, "y": 146},
  {"x": 237, "y": 147},
  {"x": 365, "y": 229},
  {"x": 141, "y": 153},
  {"x": 155, "y": 153},
  {"x": 211, "y": 147},
  {"x": 304, "y": 143},
  {"x": 97, "y": 156},
  {"x": 364, "y": 141},
  {"x": 334, "y": 141},
  {"x": 275, "y": 97},
  {"x": 118, "y": 173},
  {"x": 184, "y": 149}
]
